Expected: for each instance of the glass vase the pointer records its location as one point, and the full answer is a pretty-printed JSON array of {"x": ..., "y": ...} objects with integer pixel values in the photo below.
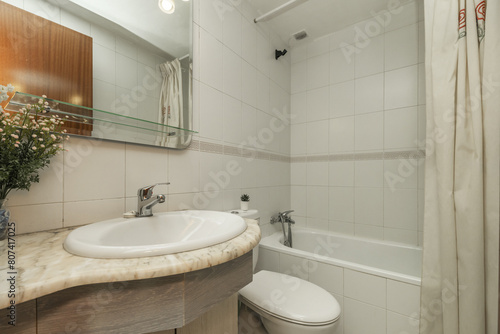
[{"x": 4, "y": 218}]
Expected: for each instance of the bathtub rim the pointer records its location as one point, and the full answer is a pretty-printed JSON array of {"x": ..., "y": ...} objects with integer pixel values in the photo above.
[{"x": 272, "y": 243}]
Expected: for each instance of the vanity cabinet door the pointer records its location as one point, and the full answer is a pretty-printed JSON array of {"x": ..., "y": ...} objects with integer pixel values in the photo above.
[{"x": 222, "y": 318}]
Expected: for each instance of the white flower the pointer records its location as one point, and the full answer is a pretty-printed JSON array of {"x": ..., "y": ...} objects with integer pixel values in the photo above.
[
  {"x": 34, "y": 136},
  {"x": 14, "y": 136},
  {"x": 10, "y": 88},
  {"x": 53, "y": 137},
  {"x": 34, "y": 148}
]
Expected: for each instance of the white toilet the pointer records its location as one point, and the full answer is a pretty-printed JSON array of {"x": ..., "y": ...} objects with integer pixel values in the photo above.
[{"x": 286, "y": 304}]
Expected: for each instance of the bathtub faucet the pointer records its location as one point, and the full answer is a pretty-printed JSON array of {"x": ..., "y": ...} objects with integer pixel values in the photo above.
[{"x": 283, "y": 217}]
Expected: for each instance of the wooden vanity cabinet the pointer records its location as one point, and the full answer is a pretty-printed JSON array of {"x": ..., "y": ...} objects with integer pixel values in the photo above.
[{"x": 203, "y": 301}]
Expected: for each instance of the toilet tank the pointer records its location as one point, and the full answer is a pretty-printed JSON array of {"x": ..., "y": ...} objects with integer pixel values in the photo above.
[{"x": 250, "y": 214}]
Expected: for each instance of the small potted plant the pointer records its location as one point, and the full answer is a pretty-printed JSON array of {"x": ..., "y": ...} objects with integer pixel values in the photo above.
[{"x": 245, "y": 198}]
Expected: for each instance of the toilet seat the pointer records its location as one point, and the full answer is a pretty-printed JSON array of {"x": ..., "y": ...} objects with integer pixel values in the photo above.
[{"x": 290, "y": 299}]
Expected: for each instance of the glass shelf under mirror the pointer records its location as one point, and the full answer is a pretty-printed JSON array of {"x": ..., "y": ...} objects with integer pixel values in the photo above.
[{"x": 101, "y": 124}]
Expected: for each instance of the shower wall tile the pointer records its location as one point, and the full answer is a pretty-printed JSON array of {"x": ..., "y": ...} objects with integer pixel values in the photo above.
[
  {"x": 400, "y": 128},
  {"x": 299, "y": 77},
  {"x": 299, "y": 108},
  {"x": 403, "y": 16},
  {"x": 369, "y": 173},
  {"x": 341, "y": 99},
  {"x": 369, "y": 231},
  {"x": 341, "y": 204},
  {"x": 249, "y": 42},
  {"x": 401, "y": 88},
  {"x": 369, "y": 206},
  {"x": 249, "y": 84},
  {"x": 317, "y": 202},
  {"x": 369, "y": 94},
  {"x": 401, "y": 47},
  {"x": 318, "y": 47},
  {"x": 232, "y": 76},
  {"x": 400, "y": 208},
  {"x": 370, "y": 59},
  {"x": 341, "y": 173},
  {"x": 318, "y": 104},
  {"x": 341, "y": 134},
  {"x": 211, "y": 18},
  {"x": 317, "y": 173},
  {"x": 211, "y": 63},
  {"x": 231, "y": 30},
  {"x": 369, "y": 132},
  {"x": 316, "y": 132},
  {"x": 401, "y": 236},
  {"x": 341, "y": 67},
  {"x": 341, "y": 227},
  {"x": 317, "y": 73}
]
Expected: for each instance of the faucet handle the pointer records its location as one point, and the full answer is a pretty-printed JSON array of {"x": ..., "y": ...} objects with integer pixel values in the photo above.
[
  {"x": 281, "y": 215},
  {"x": 147, "y": 191},
  {"x": 286, "y": 213}
]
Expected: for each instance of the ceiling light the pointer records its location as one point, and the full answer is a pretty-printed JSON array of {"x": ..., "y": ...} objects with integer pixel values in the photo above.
[{"x": 167, "y": 6}]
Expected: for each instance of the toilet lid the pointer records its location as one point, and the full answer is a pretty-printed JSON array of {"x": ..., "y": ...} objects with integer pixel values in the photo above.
[{"x": 291, "y": 298}]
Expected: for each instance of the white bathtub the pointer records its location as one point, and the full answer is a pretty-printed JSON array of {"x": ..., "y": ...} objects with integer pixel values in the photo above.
[{"x": 380, "y": 258}]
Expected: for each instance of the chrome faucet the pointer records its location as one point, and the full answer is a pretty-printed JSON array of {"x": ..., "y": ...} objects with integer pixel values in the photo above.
[
  {"x": 146, "y": 201},
  {"x": 283, "y": 217}
]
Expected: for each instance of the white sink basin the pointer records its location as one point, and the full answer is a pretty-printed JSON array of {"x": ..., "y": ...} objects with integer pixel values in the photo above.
[{"x": 163, "y": 233}]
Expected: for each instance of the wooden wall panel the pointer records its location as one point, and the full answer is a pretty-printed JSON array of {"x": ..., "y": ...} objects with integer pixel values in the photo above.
[{"x": 42, "y": 57}]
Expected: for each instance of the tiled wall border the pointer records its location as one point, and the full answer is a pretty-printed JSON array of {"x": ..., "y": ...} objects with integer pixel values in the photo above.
[
  {"x": 203, "y": 146},
  {"x": 394, "y": 155},
  {"x": 237, "y": 151}
]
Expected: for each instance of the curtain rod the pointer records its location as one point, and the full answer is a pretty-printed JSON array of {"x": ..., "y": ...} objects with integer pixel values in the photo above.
[{"x": 279, "y": 10}]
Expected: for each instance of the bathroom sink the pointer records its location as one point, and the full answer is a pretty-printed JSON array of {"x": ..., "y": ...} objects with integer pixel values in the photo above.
[{"x": 163, "y": 233}]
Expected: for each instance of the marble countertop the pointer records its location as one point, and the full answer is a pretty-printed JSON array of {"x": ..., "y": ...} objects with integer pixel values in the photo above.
[{"x": 44, "y": 267}]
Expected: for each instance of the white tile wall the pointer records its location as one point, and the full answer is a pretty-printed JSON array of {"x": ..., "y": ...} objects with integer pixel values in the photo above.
[
  {"x": 237, "y": 84},
  {"x": 376, "y": 105}
]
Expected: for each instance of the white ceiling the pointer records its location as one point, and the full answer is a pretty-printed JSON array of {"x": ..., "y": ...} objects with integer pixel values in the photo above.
[{"x": 318, "y": 17}]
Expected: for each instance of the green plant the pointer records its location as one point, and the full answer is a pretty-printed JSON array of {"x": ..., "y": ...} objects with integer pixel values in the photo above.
[
  {"x": 29, "y": 138},
  {"x": 245, "y": 198}
]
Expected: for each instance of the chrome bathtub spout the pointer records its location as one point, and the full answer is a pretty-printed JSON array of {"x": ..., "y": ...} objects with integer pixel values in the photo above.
[{"x": 283, "y": 217}]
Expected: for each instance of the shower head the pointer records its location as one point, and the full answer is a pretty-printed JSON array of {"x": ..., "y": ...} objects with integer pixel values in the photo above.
[{"x": 279, "y": 53}]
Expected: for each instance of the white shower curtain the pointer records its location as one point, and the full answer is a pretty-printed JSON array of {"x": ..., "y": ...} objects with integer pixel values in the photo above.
[
  {"x": 461, "y": 228},
  {"x": 171, "y": 103}
]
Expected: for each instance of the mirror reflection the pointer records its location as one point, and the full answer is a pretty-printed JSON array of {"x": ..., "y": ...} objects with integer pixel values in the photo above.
[{"x": 138, "y": 86}]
